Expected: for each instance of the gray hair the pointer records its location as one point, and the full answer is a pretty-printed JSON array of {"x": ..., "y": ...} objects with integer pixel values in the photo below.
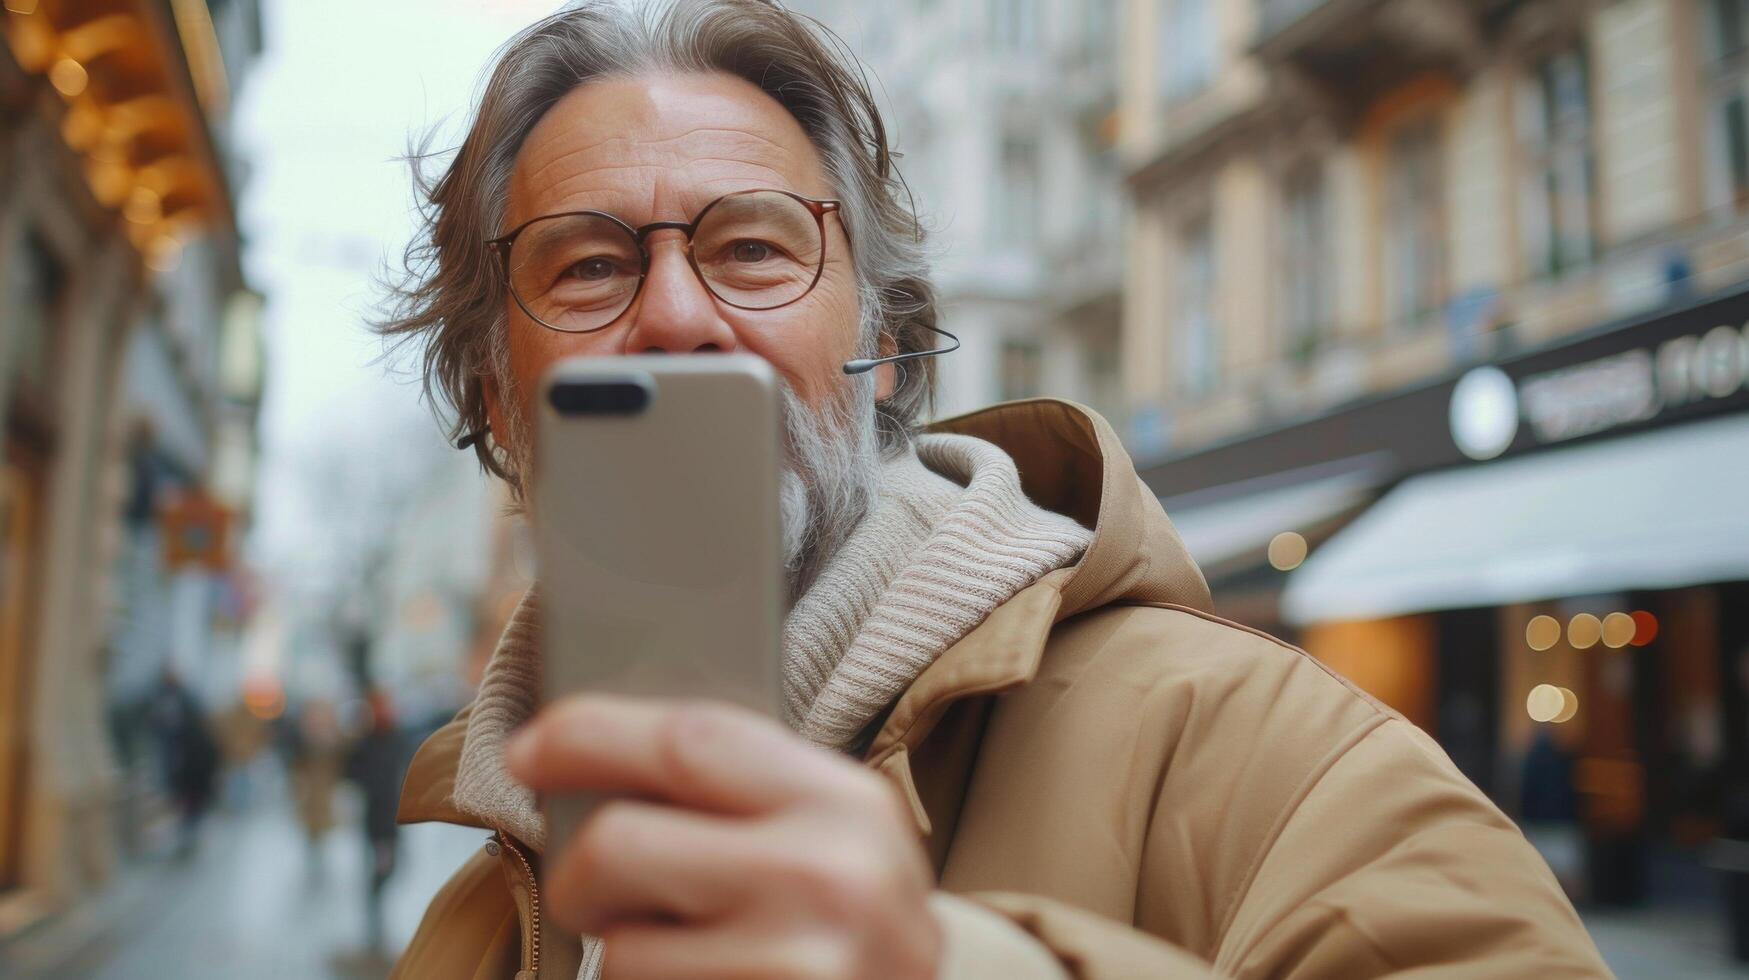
[{"x": 451, "y": 294}]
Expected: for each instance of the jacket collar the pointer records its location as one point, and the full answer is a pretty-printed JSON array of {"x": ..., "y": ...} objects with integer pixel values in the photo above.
[
  {"x": 427, "y": 791},
  {"x": 1071, "y": 462}
]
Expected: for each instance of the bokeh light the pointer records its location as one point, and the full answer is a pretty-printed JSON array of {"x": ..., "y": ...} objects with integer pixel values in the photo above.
[
  {"x": 1569, "y": 706},
  {"x": 1645, "y": 628},
  {"x": 1618, "y": 630},
  {"x": 1584, "y": 630},
  {"x": 1287, "y": 550},
  {"x": 1542, "y": 632},
  {"x": 1545, "y": 702},
  {"x": 68, "y": 77},
  {"x": 144, "y": 206}
]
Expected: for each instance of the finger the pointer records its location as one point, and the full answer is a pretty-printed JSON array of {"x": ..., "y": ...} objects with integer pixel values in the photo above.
[
  {"x": 649, "y": 951},
  {"x": 698, "y": 754},
  {"x": 639, "y": 861}
]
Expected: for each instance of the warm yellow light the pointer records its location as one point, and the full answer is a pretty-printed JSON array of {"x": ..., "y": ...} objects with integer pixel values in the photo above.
[
  {"x": 110, "y": 181},
  {"x": 1542, "y": 632},
  {"x": 144, "y": 206},
  {"x": 1287, "y": 550},
  {"x": 1618, "y": 630},
  {"x": 1584, "y": 631},
  {"x": 1569, "y": 706},
  {"x": 1545, "y": 702},
  {"x": 21, "y": 6},
  {"x": 109, "y": 151},
  {"x": 33, "y": 43},
  {"x": 68, "y": 77},
  {"x": 82, "y": 125}
]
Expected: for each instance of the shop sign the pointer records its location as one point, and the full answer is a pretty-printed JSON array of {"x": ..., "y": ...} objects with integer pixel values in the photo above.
[
  {"x": 1625, "y": 388},
  {"x": 196, "y": 532}
]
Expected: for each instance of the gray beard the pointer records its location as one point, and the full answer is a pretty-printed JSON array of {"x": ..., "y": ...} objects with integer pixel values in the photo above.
[{"x": 830, "y": 477}]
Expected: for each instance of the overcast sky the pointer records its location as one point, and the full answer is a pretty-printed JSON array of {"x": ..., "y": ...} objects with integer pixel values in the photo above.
[{"x": 341, "y": 89}]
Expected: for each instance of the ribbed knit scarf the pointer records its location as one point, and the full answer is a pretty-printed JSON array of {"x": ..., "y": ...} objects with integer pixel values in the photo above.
[{"x": 950, "y": 537}]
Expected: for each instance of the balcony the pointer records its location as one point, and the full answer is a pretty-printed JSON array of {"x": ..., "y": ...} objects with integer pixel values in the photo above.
[{"x": 1354, "y": 48}]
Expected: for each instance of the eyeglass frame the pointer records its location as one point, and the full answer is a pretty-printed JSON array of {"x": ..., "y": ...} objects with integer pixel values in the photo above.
[{"x": 818, "y": 207}]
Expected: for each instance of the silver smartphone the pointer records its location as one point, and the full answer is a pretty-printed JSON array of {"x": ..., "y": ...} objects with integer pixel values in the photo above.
[{"x": 659, "y": 545}]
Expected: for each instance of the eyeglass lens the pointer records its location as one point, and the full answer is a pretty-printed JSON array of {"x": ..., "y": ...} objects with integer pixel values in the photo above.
[{"x": 579, "y": 272}]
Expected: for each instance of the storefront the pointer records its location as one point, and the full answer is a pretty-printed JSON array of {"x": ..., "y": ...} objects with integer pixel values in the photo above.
[
  {"x": 1553, "y": 580},
  {"x": 114, "y": 210}
]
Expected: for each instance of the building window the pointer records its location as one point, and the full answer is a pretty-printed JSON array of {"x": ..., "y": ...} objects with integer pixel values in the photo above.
[
  {"x": 1017, "y": 194},
  {"x": 1560, "y": 180},
  {"x": 1198, "y": 352},
  {"x": 1022, "y": 369},
  {"x": 1414, "y": 224},
  {"x": 1189, "y": 44},
  {"x": 1306, "y": 263},
  {"x": 1727, "y": 82},
  {"x": 1014, "y": 24}
]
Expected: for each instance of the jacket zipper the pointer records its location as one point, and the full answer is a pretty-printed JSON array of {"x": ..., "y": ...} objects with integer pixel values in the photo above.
[{"x": 533, "y": 902}]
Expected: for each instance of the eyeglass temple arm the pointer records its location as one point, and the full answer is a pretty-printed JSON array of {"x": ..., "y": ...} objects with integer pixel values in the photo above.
[{"x": 864, "y": 364}]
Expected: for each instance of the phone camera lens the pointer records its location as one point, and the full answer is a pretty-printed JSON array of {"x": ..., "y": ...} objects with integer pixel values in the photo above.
[{"x": 627, "y": 397}]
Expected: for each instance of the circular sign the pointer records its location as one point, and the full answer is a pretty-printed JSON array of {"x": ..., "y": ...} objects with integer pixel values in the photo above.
[{"x": 1484, "y": 413}]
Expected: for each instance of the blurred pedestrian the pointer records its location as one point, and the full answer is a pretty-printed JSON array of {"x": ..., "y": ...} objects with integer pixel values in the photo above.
[
  {"x": 375, "y": 764},
  {"x": 1548, "y": 808},
  {"x": 317, "y": 751},
  {"x": 188, "y": 753}
]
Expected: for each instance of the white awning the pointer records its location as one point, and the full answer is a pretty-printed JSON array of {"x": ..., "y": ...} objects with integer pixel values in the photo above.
[
  {"x": 1236, "y": 527},
  {"x": 1659, "y": 510}
]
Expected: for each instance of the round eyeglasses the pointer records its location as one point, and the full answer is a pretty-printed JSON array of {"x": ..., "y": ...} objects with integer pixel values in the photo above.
[{"x": 578, "y": 271}]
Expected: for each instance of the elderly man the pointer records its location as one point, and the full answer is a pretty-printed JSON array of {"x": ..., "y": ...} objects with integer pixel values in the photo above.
[{"x": 1018, "y": 744}]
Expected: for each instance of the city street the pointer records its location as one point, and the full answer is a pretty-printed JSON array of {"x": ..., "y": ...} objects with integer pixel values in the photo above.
[
  {"x": 1410, "y": 335},
  {"x": 249, "y": 903}
]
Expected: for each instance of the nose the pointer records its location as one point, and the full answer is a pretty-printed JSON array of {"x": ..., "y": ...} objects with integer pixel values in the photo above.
[{"x": 674, "y": 313}]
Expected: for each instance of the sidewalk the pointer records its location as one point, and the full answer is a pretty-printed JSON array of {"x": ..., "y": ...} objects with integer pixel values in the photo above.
[
  {"x": 1654, "y": 944},
  {"x": 249, "y": 903}
]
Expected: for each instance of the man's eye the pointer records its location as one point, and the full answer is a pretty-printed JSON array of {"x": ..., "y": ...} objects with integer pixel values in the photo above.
[
  {"x": 750, "y": 251},
  {"x": 594, "y": 269}
]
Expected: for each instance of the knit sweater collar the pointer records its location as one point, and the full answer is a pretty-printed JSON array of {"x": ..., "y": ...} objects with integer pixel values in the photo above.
[{"x": 950, "y": 537}]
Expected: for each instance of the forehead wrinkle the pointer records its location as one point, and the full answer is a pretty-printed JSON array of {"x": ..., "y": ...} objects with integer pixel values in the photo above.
[
  {"x": 635, "y": 144},
  {"x": 627, "y": 198}
]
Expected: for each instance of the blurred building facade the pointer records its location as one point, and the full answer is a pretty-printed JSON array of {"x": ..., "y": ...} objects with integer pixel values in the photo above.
[
  {"x": 129, "y": 375},
  {"x": 1449, "y": 295},
  {"x": 1003, "y": 114}
]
